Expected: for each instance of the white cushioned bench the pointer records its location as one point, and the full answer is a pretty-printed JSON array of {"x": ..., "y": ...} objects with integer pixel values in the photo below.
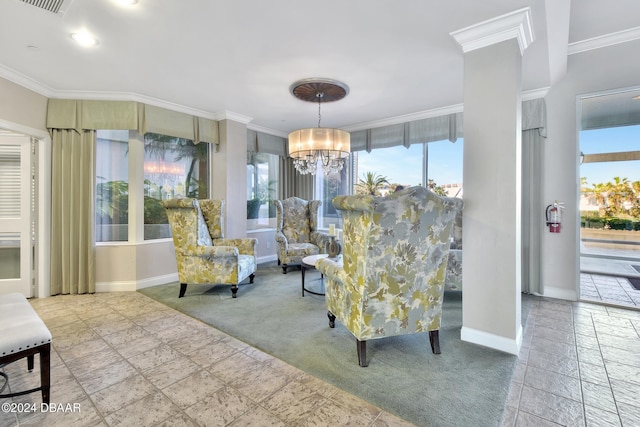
[{"x": 24, "y": 334}]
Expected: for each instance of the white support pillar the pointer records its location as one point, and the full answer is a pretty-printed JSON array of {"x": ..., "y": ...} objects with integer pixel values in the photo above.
[
  {"x": 491, "y": 313},
  {"x": 229, "y": 176}
]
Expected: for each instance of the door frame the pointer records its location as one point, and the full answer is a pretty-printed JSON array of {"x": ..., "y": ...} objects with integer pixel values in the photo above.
[{"x": 42, "y": 263}]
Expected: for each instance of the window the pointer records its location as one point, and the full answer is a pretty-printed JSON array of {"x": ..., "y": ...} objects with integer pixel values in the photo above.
[
  {"x": 439, "y": 164},
  {"x": 112, "y": 185},
  {"x": 610, "y": 181},
  {"x": 444, "y": 171},
  {"x": 329, "y": 186},
  {"x": 173, "y": 167},
  {"x": 262, "y": 188}
]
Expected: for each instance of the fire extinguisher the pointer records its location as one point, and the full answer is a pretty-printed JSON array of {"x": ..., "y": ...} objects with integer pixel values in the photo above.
[{"x": 554, "y": 217}]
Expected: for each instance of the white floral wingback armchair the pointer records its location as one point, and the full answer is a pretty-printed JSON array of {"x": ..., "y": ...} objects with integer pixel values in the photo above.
[
  {"x": 297, "y": 234},
  {"x": 203, "y": 255},
  {"x": 391, "y": 280}
]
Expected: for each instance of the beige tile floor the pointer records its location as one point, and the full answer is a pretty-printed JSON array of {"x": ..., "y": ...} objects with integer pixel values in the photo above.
[{"x": 126, "y": 360}]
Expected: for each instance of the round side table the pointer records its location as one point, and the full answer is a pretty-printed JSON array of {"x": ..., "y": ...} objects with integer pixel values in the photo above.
[{"x": 309, "y": 263}]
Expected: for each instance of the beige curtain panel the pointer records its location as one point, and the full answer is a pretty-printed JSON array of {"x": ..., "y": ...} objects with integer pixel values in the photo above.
[{"x": 72, "y": 213}]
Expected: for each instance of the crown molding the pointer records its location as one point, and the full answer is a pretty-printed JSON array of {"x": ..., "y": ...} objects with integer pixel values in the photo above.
[
  {"x": 604, "y": 41},
  {"x": 514, "y": 25},
  {"x": 230, "y": 115},
  {"x": 26, "y": 82},
  {"x": 31, "y": 84},
  {"x": 267, "y": 130},
  {"x": 535, "y": 94},
  {"x": 435, "y": 112}
]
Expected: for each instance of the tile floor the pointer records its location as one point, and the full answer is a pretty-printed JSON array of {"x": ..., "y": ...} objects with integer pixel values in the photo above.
[
  {"x": 579, "y": 366},
  {"x": 127, "y": 360},
  {"x": 604, "y": 273},
  {"x": 609, "y": 290}
]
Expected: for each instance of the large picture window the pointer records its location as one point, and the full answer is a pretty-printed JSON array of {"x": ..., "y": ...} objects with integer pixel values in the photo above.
[
  {"x": 328, "y": 186},
  {"x": 262, "y": 187},
  {"x": 112, "y": 185},
  {"x": 173, "y": 167},
  {"x": 435, "y": 164}
]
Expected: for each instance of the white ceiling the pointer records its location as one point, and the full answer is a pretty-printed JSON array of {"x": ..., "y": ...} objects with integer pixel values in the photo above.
[{"x": 241, "y": 56}]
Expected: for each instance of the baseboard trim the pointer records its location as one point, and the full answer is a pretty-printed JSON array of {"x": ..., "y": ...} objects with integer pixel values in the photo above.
[
  {"x": 268, "y": 258},
  {"x": 558, "y": 293},
  {"x": 134, "y": 285},
  {"x": 493, "y": 341}
]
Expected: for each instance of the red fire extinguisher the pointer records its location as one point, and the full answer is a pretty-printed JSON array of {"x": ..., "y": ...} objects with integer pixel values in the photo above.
[{"x": 554, "y": 217}]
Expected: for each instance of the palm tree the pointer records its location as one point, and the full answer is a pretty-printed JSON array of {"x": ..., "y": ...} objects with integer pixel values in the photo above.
[
  {"x": 438, "y": 189},
  {"x": 371, "y": 184},
  {"x": 158, "y": 145}
]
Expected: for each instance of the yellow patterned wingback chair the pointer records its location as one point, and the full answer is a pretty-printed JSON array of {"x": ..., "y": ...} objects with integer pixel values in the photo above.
[
  {"x": 297, "y": 234},
  {"x": 394, "y": 258},
  {"x": 203, "y": 255}
]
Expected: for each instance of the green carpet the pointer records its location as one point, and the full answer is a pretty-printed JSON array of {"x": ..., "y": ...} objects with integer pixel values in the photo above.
[{"x": 466, "y": 385}]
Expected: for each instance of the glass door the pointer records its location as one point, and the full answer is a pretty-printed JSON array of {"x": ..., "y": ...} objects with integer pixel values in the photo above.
[{"x": 15, "y": 215}]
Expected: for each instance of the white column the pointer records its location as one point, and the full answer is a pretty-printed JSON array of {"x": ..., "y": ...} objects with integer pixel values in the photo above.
[
  {"x": 229, "y": 176},
  {"x": 492, "y": 180}
]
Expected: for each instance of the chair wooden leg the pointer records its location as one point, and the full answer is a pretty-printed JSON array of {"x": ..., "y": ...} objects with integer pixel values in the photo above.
[
  {"x": 183, "y": 289},
  {"x": 234, "y": 291},
  {"x": 45, "y": 371},
  {"x": 30, "y": 363},
  {"x": 362, "y": 353},
  {"x": 284, "y": 268},
  {"x": 332, "y": 319},
  {"x": 251, "y": 277},
  {"x": 434, "y": 339}
]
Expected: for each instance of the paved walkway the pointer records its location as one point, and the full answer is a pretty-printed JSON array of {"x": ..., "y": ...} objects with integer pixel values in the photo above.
[{"x": 605, "y": 273}]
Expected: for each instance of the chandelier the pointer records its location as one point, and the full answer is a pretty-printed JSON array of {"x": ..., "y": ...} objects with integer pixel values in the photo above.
[{"x": 309, "y": 146}]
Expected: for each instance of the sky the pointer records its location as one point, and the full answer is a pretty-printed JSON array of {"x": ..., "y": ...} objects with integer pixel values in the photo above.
[
  {"x": 403, "y": 166},
  {"x": 610, "y": 140}
]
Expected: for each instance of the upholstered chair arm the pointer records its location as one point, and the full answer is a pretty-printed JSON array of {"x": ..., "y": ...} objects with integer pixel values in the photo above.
[
  {"x": 214, "y": 251},
  {"x": 454, "y": 203},
  {"x": 319, "y": 238},
  {"x": 314, "y": 206},
  {"x": 246, "y": 246},
  {"x": 282, "y": 239},
  {"x": 332, "y": 270},
  {"x": 362, "y": 203}
]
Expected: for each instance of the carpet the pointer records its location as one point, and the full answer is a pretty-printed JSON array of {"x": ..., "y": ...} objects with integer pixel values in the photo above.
[{"x": 466, "y": 385}]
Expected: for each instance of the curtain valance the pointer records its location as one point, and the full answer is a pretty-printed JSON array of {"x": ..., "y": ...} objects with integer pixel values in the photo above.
[
  {"x": 534, "y": 115},
  {"x": 260, "y": 142},
  {"x": 95, "y": 115},
  {"x": 431, "y": 129}
]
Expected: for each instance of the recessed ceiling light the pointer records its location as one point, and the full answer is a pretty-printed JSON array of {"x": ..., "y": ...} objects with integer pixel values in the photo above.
[
  {"x": 128, "y": 2},
  {"x": 84, "y": 39},
  {"x": 636, "y": 98}
]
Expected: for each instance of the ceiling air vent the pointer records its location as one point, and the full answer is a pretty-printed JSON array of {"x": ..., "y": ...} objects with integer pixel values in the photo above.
[{"x": 54, "y": 6}]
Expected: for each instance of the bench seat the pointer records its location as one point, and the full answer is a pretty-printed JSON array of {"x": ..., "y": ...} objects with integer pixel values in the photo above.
[{"x": 24, "y": 334}]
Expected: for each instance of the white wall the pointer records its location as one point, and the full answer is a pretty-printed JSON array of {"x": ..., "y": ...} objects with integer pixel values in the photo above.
[{"x": 593, "y": 71}]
